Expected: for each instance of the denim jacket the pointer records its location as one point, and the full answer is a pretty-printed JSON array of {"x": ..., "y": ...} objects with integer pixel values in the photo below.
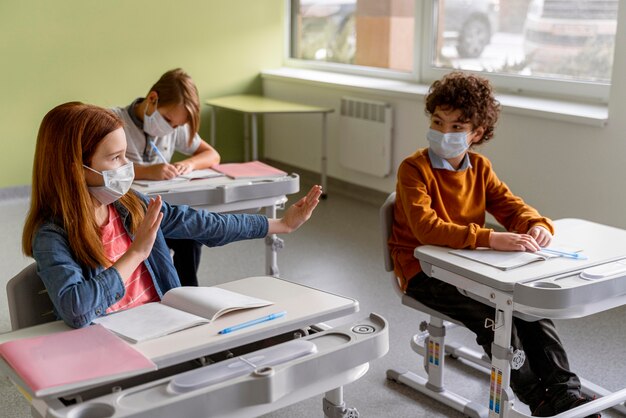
[{"x": 80, "y": 293}]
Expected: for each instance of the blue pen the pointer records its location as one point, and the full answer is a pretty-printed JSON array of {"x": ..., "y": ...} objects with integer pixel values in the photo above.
[
  {"x": 158, "y": 153},
  {"x": 565, "y": 254},
  {"x": 253, "y": 322}
]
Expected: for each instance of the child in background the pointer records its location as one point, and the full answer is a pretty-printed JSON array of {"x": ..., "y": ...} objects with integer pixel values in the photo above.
[
  {"x": 442, "y": 195},
  {"x": 164, "y": 121},
  {"x": 99, "y": 247}
]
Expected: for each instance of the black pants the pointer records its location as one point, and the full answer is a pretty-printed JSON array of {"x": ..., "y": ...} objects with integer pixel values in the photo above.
[
  {"x": 186, "y": 259},
  {"x": 544, "y": 374}
]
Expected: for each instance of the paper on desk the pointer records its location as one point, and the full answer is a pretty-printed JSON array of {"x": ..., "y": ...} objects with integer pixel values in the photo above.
[
  {"x": 193, "y": 175},
  {"x": 249, "y": 170},
  {"x": 503, "y": 260}
]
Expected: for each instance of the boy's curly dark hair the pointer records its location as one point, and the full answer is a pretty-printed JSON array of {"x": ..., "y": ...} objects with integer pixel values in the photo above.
[{"x": 470, "y": 94}]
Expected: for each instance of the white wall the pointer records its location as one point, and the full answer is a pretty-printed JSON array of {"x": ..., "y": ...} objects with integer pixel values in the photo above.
[{"x": 564, "y": 169}]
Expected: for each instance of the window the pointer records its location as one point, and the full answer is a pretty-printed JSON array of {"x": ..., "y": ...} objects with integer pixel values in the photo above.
[
  {"x": 368, "y": 33},
  {"x": 562, "y": 47}
]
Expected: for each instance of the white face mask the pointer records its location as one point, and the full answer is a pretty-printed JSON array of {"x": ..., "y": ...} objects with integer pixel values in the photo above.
[
  {"x": 155, "y": 124},
  {"x": 117, "y": 182},
  {"x": 447, "y": 145}
]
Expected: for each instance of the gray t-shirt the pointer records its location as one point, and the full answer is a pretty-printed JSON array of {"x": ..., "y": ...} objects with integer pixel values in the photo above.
[{"x": 138, "y": 149}]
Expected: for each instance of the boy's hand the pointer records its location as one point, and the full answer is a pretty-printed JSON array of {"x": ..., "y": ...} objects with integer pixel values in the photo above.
[
  {"x": 160, "y": 172},
  {"x": 509, "y": 241},
  {"x": 541, "y": 235},
  {"x": 183, "y": 167}
]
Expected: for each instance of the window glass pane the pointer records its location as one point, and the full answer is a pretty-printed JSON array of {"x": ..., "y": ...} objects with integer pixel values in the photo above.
[
  {"x": 374, "y": 33},
  {"x": 558, "y": 39}
]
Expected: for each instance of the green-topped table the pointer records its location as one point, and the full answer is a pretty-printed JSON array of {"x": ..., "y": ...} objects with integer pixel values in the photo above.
[{"x": 252, "y": 106}]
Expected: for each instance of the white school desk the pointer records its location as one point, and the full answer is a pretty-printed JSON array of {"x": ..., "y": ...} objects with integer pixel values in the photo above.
[
  {"x": 252, "y": 106},
  {"x": 342, "y": 356},
  {"x": 550, "y": 289},
  {"x": 223, "y": 194}
]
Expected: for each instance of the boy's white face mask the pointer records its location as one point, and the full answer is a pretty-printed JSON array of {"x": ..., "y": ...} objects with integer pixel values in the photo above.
[
  {"x": 117, "y": 182},
  {"x": 448, "y": 145},
  {"x": 155, "y": 124}
]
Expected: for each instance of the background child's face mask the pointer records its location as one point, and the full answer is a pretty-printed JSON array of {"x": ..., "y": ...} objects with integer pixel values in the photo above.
[{"x": 155, "y": 124}]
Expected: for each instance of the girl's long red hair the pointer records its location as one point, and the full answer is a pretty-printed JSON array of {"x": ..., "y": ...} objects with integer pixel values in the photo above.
[{"x": 68, "y": 137}]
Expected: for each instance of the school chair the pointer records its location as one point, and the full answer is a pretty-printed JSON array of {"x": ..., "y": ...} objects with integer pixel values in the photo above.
[
  {"x": 29, "y": 303},
  {"x": 430, "y": 342}
]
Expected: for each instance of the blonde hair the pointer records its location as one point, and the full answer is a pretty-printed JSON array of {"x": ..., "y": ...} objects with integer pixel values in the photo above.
[
  {"x": 176, "y": 87},
  {"x": 68, "y": 137}
]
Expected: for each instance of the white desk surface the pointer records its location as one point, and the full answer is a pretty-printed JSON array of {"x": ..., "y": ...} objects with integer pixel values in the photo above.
[
  {"x": 600, "y": 243},
  {"x": 248, "y": 103},
  {"x": 304, "y": 306},
  {"x": 202, "y": 184}
]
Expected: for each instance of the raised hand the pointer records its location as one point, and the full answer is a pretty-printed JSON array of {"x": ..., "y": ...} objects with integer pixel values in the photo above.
[
  {"x": 296, "y": 214},
  {"x": 146, "y": 233}
]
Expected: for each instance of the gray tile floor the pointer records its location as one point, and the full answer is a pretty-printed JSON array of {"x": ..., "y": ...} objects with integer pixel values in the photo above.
[{"x": 339, "y": 250}]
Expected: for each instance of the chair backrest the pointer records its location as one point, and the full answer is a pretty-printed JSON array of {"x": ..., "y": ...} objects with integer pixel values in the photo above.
[
  {"x": 29, "y": 303},
  {"x": 386, "y": 223}
]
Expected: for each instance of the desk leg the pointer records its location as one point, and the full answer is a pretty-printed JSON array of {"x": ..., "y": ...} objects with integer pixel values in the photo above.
[
  {"x": 255, "y": 137},
  {"x": 324, "y": 156},
  {"x": 213, "y": 130},
  {"x": 334, "y": 406},
  {"x": 272, "y": 245},
  {"x": 500, "y": 395},
  {"x": 246, "y": 137}
]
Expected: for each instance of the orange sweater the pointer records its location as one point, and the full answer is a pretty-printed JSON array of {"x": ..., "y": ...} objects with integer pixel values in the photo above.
[{"x": 447, "y": 208}]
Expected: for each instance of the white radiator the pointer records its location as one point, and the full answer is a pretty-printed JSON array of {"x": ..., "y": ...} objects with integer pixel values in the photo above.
[{"x": 365, "y": 130}]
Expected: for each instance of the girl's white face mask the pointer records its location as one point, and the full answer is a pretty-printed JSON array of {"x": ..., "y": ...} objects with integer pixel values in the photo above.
[
  {"x": 447, "y": 145},
  {"x": 117, "y": 182},
  {"x": 155, "y": 124}
]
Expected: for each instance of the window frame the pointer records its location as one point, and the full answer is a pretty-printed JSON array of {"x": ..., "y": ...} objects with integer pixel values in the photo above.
[{"x": 424, "y": 73}]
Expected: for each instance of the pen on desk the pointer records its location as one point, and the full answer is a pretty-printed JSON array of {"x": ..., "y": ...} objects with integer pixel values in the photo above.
[
  {"x": 253, "y": 322},
  {"x": 565, "y": 254},
  {"x": 158, "y": 153}
]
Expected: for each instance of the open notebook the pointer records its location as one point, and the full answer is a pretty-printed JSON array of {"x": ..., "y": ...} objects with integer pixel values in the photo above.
[
  {"x": 180, "y": 308},
  {"x": 503, "y": 260},
  {"x": 62, "y": 361}
]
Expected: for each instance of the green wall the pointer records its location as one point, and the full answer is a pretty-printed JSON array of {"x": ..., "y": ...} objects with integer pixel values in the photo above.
[{"x": 110, "y": 52}]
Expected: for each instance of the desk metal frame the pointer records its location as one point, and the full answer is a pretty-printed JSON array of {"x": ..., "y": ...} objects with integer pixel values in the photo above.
[
  {"x": 252, "y": 106},
  {"x": 518, "y": 291}
]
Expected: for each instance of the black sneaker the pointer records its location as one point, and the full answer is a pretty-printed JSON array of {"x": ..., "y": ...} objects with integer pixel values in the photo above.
[
  {"x": 582, "y": 400},
  {"x": 547, "y": 409},
  {"x": 544, "y": 409}
]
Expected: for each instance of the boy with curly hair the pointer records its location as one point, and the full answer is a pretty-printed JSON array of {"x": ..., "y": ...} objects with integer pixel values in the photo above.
[{"x": 442, "y": 195}]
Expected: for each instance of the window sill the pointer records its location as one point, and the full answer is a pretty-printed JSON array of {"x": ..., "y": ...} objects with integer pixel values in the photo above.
[{"x": 554, "y": 109}]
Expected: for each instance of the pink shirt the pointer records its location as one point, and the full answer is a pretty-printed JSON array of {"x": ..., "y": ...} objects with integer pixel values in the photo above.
[{"x": 139, "y": 286}]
